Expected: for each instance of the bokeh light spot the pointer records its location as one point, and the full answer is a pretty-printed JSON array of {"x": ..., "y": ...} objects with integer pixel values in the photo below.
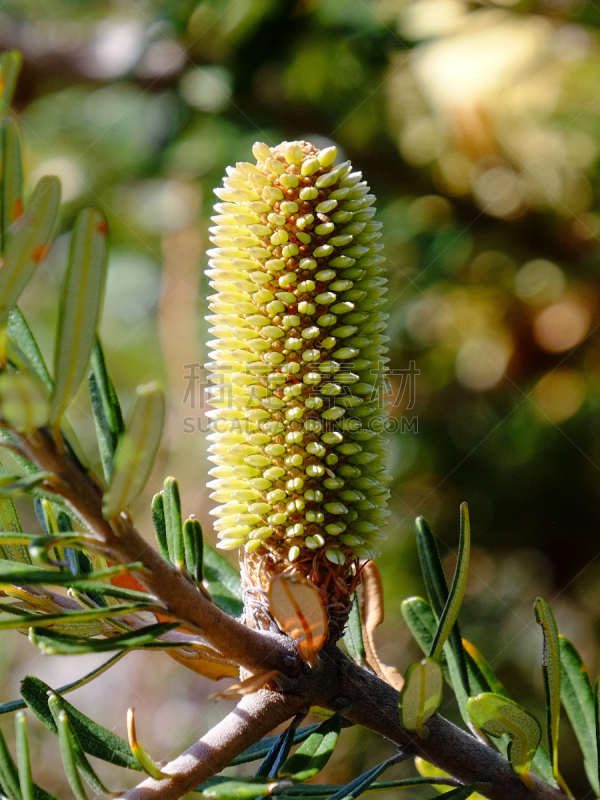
[
  {"x": 539, "y": 282},
  {"x": 561, "y": 326},
  {"x": 559, "y": 395}
]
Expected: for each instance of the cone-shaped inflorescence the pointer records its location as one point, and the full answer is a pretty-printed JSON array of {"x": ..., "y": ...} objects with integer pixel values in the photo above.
[{"x": 298, "y": 364}]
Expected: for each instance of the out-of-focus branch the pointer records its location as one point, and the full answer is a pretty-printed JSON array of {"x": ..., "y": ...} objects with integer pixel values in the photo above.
[
  {"x": 254, "y": 650},
  {"x": 254, "y": 716}
]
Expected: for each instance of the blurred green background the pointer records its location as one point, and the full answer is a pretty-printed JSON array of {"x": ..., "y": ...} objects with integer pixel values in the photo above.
[{"x": 477, "y": 125}]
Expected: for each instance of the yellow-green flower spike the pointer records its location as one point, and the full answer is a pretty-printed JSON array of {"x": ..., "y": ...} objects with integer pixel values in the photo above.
[{"x": 298, "y": 358}]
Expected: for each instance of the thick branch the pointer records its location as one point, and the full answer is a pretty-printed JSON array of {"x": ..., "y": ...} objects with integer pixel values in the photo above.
[
  {"x": 253, "y": 718},
  {"x": 258, "y": 652},
  {"x": 374, "y": 704}
]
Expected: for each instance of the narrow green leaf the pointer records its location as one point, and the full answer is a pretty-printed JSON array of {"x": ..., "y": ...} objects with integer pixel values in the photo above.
[
  {"x": 12, "y": 572},
  {"x": 193, "y": 544},
  {"x": 552, "y": 679},
  {"x": 223, "y": 582},
  {"x": 55, "y": 704},
  {"x": 11, "y": 485},
  {"x": 497, "y": 715},
  {"x": 23, "y": 759},
  {"x": 312, "y": 756},
  {"x": 10, "y": 66},
  {"x": 68, "y": 617},
  {"x": 30, "y": 238},
  {"x": 362, "y": 784},
  {"x": 481, "y": 675},
  {"x": 19, "y": 333},
  {"x": 261, "y": 749},
  {"x": 160, "y": 527},
  {"x": 437, "y": 589},
  {"x": 106, "y": 447},
  {"x": 55, "y": 643},
  {"x": 9, "y": 776},
  {"x": 248, "y": 789},
  {"x": 95, "y": 740},
  {"x": 80, "y": 307},
  {"x": 67, "y": 753},
  {"x": 107, "y": 409},
  {"x": 329, "y": 789},
  {"x": 578, "y": 699},
  {"x": 172, "y": 503},
  {"x": 457, "y": 590},
  {"x": 280, "y": 750},
  {"x": 136, "y": 450},
  {"x": 12, "y": 177},
  {"x": 421, "y": 694},
  {"x": 10, "y": 522},
  {"x": 353, "y": 638}
]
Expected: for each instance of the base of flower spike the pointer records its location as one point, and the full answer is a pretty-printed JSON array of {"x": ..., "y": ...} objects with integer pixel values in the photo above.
[{"x": 335, "y": 584}]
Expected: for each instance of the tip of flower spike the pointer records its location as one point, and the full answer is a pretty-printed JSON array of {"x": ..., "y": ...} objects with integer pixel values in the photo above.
[{"x": 261, "y": 151}]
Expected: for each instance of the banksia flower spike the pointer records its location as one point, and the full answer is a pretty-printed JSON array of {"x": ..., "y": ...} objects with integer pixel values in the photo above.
[{"x": 298, "y": 363}]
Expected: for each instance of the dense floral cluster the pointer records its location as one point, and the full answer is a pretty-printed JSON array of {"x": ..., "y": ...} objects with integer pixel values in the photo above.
[{"x": 298, "y": 358}]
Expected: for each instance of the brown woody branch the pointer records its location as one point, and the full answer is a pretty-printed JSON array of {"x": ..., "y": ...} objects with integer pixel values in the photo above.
[{"x": 336, "y": 682}]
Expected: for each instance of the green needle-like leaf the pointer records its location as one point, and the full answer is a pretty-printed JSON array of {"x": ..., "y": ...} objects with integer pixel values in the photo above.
[
  {"x": 30, "y": 238},
  {"x": 55, "y": 704},
  {"x": 312, "y": 756},
  {"x": 94, "y": 739},
  {"x": 160, "y": 525},
  {"x": 459, "y": 584},
  {"x": 68, "y": 617},
  {"x": 551, "y": 667},
  {"x": 437, "y": 589},
  {"x": 23, "y": 759},
  {"x": 12, "y": 572},
  {"x": 248, "y": 789},
  {"x": 67, "y": 752},
  {"x": 361, "y": 784},
  {"x": 279, "y": 752},
  {"x": 578, "y": 699},
  {"x": 421, "y": 694},
  {"x": 136, "y": 450},
  {"x": 173, "y": 522},
  {"x": 223, "y": 582},
  {"x": 10, "y": 66},
  {"x": 19, "y": 333},
  {"x": 10, "y": 522},
  {"x": 107, "y": 410},
  {"x": 497, "y": 715},
  {"x": 12, "y": 177},
  {"x": 55, "y": 643},
  {"x": 262, "y": 748},
  {"x": 80, "y": 306},
  {"x": 353, "y": 638},
  {"x": 9, "y": 776},
  {"x": 193, "y": 545}
]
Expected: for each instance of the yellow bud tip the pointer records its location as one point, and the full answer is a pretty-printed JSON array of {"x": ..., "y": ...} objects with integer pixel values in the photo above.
[{"x": 327, "y": 157}]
